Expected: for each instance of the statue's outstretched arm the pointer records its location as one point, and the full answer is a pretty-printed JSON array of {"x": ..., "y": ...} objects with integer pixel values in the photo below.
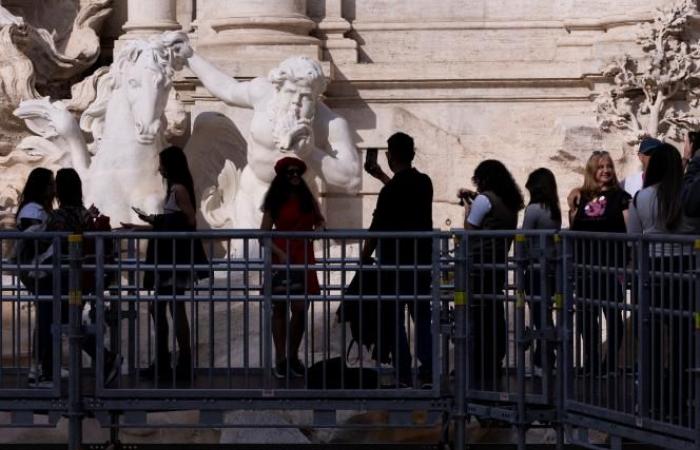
[
  {"x": 220, "y": 84},
  {"x": 341, "y": 166}
]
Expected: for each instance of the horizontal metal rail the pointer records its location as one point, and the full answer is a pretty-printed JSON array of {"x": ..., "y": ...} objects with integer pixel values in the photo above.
[{"x": 572, "y": 330}]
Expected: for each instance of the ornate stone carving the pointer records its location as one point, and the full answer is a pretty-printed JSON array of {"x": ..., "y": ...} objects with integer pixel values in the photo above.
[
  {"x": 288, "y": 118},
  {"x": 127, "y": 122},
  {"x": 38, "y": 62},
  {"x": 645, "y": 94}
]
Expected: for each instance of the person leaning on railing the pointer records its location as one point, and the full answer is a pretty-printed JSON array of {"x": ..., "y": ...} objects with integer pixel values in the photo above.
[
  {"x": 600, "y": 205},
  {"x": 494, "y": 207},
  {"x": 658, "y": 208}
]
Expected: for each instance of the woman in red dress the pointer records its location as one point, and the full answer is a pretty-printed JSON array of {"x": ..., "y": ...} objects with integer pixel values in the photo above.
[{"x": 290, "y": 206}]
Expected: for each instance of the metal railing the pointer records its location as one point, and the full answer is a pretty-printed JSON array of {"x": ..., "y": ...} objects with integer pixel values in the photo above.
[{"x": 567, "y": 330}]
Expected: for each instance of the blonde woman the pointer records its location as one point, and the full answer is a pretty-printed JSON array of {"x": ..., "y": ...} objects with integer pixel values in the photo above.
[{"x": 600, "y": 205}]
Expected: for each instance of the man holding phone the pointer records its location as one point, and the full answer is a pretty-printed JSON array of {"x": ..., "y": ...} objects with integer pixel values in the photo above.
[{"x": 405, "y": 203}]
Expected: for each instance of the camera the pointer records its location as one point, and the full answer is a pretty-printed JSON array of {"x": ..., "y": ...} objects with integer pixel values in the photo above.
[{"x": 466, "y": 195}]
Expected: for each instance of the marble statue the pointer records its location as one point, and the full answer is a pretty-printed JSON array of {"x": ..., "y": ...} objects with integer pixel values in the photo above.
[
  {"x": 288, "y": 118},
  {"x": 127, "y": 122},
  {"x": 644, "y": 96}
]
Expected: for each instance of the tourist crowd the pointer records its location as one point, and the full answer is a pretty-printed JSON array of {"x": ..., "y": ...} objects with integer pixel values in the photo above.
[{"x": 664, "y": 197}]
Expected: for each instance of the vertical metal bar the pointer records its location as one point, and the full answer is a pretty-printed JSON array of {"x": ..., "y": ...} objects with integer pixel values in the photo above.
[
  {"x": 566, "y": 328},
  {"x": 99, "y": 313},
  {"x": 435, "y": 311},
  {"x": 56, "y": 316},
  {"x": 266, "y": 337},
  {"x": 644, "y": 328},
  {"x": 460, "y": 339},
  {"x": 695, "y": 361},
  {"x": 75, "y": 413},
  {"x": 132, "y": 280},
  {"x": 558, "y": 302},
  {"x": 520, "y": 338}
]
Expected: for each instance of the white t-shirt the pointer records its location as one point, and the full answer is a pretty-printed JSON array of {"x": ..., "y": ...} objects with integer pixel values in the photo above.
[
  {"x": 480, "y": 207},
  {"x": 33, "y": 211},
  {"x": 634, "y": 183}
]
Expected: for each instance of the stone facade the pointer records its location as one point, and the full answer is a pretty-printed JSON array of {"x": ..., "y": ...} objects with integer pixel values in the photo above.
[{"x": 469, "y": 79}]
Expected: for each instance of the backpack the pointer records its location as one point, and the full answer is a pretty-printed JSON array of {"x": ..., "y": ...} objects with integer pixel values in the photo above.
[
  {"x": 366, "y": 314},
  {"x": 333, "y": 373},
  {"x": 96, "y": 224},
  {"x": 31, "y": 252}
]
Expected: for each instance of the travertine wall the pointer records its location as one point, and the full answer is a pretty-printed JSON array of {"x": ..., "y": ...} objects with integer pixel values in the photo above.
[{"x": 470, "y": 79}]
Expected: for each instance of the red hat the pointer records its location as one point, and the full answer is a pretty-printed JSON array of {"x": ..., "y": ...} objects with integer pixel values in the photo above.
[{"x": 287, "y": 161}]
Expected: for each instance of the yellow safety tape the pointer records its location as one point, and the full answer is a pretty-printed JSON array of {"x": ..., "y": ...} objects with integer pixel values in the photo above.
[
  {"x": 75, "y": 297},
  {"x": 697, "y": 321},
  {"x": 520, "y": 299},
  {"x": 558, "y": 301},
  {"x": 520, "y": 238},
  {"x": 697, "y": 244},
  {"x": 75, "y": 238},
  {"x": 460, "y": 298},
  {"x": 557, "y": 238}
]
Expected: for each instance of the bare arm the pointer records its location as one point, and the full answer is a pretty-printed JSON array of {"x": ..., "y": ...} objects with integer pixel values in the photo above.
[
  {"x": 182, "y": 199},
  {"x": 221, "y": 85},
  {"x": 338, "y": 165},
  {"x": 266, "y": 225}
]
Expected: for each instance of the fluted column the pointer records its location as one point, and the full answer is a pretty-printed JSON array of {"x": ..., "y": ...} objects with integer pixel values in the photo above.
[
  {"x": 147, "y": 17},
  {"x": 247, "y": 37}
]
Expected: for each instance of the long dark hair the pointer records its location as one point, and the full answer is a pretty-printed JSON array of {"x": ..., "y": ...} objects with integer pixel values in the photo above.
[
  {"x": 69, "y": 188},
  {"x": 37, "y": 189},
  {"x": 665, "y": 171},
  {"x": 281, "y": 190},
  {"x": 492, "y": 175},
  {"x": 694, "y": 138},
  {"x": 177, "y": 171},
  {"x": 543, "y": 190}
]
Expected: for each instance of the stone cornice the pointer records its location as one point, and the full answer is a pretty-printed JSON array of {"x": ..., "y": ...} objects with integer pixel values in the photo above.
[{"x": 601, "y": 24}]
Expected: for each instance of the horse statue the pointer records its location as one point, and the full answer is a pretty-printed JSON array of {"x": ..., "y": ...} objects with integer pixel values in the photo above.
[{"x": 127, "y": 123}]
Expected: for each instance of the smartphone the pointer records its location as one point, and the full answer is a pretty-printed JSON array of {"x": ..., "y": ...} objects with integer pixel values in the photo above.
[
  {"x": 371, "y": 157},
  {"x": 139, "y": 211}
]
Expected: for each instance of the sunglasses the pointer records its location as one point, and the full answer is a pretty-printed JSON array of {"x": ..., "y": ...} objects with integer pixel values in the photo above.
[
  {"x": 293, "y": 172},
  {"x": 600, "y": 152}
]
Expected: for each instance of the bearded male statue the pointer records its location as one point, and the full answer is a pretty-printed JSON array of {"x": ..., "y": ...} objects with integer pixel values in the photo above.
[{"x": 288, "y": 120}]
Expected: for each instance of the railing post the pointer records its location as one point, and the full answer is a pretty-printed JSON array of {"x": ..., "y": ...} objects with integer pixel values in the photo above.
[
  {"x": 520, "y": 338},
  {"x": 75, "y": 335},
  {"x": 566, "y": 328},
  {"x": 460, "y": 341},
  {"x": 435, "y": 312},
  {"x": 558, "y": 303},
  {"x": 644, "y": 330},
  {"x": 696, "y": 319},
  {"x": 267, "y": 309}
]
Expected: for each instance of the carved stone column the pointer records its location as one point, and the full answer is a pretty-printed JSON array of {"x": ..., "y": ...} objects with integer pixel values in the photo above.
[
  {"x": 150, "y": 17},
  {"x": 332, "y": 29},
  {"x": 247, "y": 37}
]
